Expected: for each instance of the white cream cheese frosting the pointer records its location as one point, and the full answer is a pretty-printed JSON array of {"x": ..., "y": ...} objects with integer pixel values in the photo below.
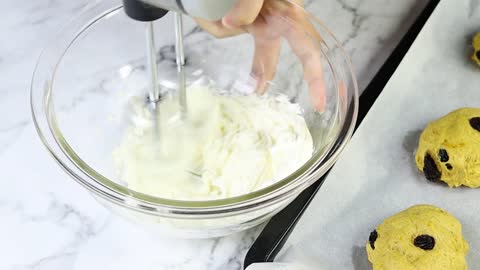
[{"x": 224, "y": 146}]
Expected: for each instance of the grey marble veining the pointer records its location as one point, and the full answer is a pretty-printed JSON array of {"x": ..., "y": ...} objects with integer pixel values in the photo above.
[{"x": 49, "y": 222}]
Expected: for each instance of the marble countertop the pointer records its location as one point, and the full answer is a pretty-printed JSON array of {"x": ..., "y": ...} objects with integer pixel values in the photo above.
[{"x": 49, "y": 222}]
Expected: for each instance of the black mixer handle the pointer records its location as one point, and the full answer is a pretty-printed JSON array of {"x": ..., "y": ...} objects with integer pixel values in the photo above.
[{"x": 140, "y": 11}]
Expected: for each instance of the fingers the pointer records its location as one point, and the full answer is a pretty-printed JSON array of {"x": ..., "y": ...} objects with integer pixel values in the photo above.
[
  {"x": 267, "y": 21},
  {"x": 304, "y": 41},
  {"x": 265, "y": 62},
  {"x": 243, "y": 13},
  {"x": 267, "y": 52},
  {"x": 309, "y": 55},
  {"x": 217, "y": 28}
]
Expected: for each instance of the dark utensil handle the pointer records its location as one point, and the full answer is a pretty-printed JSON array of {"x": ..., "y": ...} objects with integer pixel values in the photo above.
[
  {"x": 278, "y": 229},
  {"x": 141, "y": 11}
]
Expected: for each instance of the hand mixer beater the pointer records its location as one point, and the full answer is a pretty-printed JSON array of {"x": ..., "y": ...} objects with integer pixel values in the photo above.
[{"x": 150, "y": 10}]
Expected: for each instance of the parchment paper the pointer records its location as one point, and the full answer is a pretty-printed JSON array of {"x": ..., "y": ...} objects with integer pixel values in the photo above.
[{"x": 376, "y": 175}]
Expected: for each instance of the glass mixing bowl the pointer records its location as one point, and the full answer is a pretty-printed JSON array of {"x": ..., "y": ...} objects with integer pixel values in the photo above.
[{"x": 84, "y": 78}]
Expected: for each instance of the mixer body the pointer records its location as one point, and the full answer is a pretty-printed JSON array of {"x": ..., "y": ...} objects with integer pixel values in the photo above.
[{"x": 205, "y": 9}]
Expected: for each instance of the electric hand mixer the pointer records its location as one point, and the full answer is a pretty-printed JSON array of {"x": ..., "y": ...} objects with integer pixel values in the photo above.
[{"x": 151, "y": 10}]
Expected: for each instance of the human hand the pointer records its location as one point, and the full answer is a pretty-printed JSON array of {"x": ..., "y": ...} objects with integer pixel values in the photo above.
[{"x": 268, "y": 21}]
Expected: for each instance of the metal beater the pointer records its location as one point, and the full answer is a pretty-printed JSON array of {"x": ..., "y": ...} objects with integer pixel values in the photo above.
[{"x": 151, "y": 10}]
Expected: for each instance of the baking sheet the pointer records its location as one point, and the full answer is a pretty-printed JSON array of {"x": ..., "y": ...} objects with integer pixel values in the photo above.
[{"x": 376, "y": 176}]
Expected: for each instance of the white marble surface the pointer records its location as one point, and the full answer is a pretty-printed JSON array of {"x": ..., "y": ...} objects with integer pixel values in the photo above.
[{"x": 49, "y": 222}]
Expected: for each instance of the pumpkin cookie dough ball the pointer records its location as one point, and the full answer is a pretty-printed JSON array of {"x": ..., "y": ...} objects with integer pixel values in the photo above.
[
  {"x": 422, "y": 237},
  {"x": 476, "y": 48},
  {"x": 449, "y": 149}
]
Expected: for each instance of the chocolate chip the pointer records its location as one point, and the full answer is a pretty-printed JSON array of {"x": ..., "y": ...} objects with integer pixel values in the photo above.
[
  {"x": 372, "y": 238},
  {"x": 430, "y": 169},
  {"x": 449, "y": 166},
  {"x": 443, "y": 155},
  {"x": 478, "y": 54},
  {"x": 425, "y": 242},
  {"x": 475, "y": 123}
]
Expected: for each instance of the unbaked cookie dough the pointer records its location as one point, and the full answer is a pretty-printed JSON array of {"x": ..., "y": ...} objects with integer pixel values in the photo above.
[
  {"x": 476, "y": 48},
  {"x": 423, "y": 237},
  {"x": 449, "y": 149}
]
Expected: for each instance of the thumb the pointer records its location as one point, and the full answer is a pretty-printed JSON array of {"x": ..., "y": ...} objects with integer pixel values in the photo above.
[{"x": 244, "y": 12}]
